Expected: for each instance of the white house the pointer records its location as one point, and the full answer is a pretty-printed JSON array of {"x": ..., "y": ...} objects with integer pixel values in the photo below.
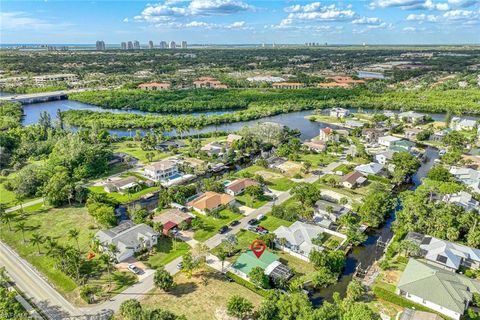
[
  {"x": 128, "y": 239},
  {"x": 299, "y": 238},
  {"x": 238, "y": 186},
  {"x": 459, "y": 124},
  {"x": 467, "y": 176},
  {"x": 444, "y": 291},
  {"x": 463, "y": 199},
  {"x": 372, "y": 168},
  {"x": 339, "y": 112},
  {"x": 213, "y": 148},
  {"x": 161, "y": 170},
  {"x": 412, "y": 117},
  {"x": 384, "y": 157},
  {"x": 327, "y": 134},
  {"x": 387, "y": 141},
  {"x": 121, "y": 185}
]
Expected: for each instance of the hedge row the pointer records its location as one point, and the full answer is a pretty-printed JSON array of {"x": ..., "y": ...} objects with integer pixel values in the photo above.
[
  {"x": 400, "y": 301},
  {"x": 246, "y": 284}
]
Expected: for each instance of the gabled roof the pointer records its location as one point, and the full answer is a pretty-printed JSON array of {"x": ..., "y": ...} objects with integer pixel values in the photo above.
[
  {"x": 241, "y": 184},
  {"x": 247, "y": 261},
  {"x": 300, "y": 234},
  {"x": 161, "y": 165},
  {"x": 124, "y": 182},
  {"x": 327, "y": 130},
  {"x": 211, "y": 200},
  {"x": 371, "y": 168},
  {"x": 451, "y": 290},
  {"x": 354, "y": 177}
]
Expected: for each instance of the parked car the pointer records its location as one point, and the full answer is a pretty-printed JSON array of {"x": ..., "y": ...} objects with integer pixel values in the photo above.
[
  {"x": 223, "y": 229},
  {"x": 180, "y": 265},
  {"x": 261, "y": 230},
  {"x": 252, "y": 221},
  {"x": 234, "y": 223},
  {"x": 260, "y": 217},
  {"x": 133, "y": 268}
]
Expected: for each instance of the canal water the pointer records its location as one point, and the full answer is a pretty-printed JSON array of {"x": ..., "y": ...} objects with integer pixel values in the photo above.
[{"x": 368, "y": 252}]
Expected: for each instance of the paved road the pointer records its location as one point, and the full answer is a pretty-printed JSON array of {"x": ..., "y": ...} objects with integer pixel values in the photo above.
[{"x": 57, "y": 307}]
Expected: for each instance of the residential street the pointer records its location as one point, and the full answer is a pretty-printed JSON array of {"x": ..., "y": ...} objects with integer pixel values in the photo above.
[{"x": 56, "y": 306}]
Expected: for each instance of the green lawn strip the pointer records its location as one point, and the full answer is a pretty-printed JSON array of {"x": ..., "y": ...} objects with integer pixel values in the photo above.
[
  {"x": 166, "y": 251},
  {"x": 247, "y": 200},
  {"x": 123, "y": 198},
  {"x": 134, "y": 149},
  {"x": 54, "y": 223},
  {"x": 344, "y": 168},
  {"x": 212, "y": 224},
  {"x": 298, "y": 266},
  {"x": 247, "y": 284},
  {"x": 330, "y": 241},
  {"x": 282, "y": 184},
  {"x": 8, "y": 197},
  {"x": 318, "y": 159},
  {"x": 271, "y": 223}
]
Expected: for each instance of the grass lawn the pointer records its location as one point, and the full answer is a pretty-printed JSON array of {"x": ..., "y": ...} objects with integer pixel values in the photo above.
[
  {"x": 318, "y": 159},
  {"x": 299, "y": 266},
  {"x": 123, "y": 198},
  {"x": 330, "y": 241},
  {"x": 165, "y": 252},
  {"x": 282, "y": 184},
  {"x": 134, "y": 149},
  {"x": 344, "y": 168},
  {"x": 247, "y": 200},
  {"x": 8, "y": 197},
  {"x": 274, "y": 179},
  {"x": 204, "y": 294},
  {"x": 212, "y": 224},
  {"x": 271, "y": 223},
  {"x": 54, "y": 223}
]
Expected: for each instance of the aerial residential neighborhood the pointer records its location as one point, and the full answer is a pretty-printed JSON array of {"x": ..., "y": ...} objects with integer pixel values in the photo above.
[{"x": 240, "y": 160}]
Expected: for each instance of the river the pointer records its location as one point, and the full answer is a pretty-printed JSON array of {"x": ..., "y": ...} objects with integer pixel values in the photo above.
[
  {"x": 367, "y": 253},
  {"x": 294, "y": 120}
]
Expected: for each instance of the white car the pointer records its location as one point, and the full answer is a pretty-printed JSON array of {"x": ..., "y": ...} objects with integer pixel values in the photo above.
[{"x": 133, "y": 268}]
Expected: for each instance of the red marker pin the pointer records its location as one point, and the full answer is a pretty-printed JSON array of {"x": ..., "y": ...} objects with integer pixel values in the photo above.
[{"x": 258, "y": 247}]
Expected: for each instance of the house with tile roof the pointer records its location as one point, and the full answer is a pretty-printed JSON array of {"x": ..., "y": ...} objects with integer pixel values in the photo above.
[
  {"x": 211, "y": 201},
  {"x": 238, "y": 186},
  {"x": 328, "y": 134},
  {"x": 154, "y": 86},
  {"x": 441, "y": 290},
  {"x": 445, "y": 254}
]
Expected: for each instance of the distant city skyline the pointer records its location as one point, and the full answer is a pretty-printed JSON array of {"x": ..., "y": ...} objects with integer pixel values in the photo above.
[{"x": 242, "y": 22}]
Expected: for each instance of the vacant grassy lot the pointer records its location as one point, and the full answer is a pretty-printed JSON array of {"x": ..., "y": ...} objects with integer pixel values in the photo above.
[
  {"x": 248, "y": 201},
  {"x": 275, "y": 180},
  {"x": 166, "y": 251},
  {"x": 211, "y": 224},
  {"x": 134, "y": 149},
  {"x": 318, "y": 159},
  {"x": 204, "y": 294},
  {"x": 8, "y": 197},
  {"x": 123, "y": 197},
  {"x": 271, "y": 223}
]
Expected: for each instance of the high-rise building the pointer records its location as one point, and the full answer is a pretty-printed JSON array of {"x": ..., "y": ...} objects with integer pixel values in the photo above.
[
  {"x": 184, "y": 44},
  {"x": 100, "y": 45},
  {"x": 173, "y": 45},
  {"x": 163, "y": 45},
  {"x": 124, "y": 46},
  {"x": 136, "y": 45},
  {"x": 150, "y": 44},
  {"x": 130, "y": 45}
]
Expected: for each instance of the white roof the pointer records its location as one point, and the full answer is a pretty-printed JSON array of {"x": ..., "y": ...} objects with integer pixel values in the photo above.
[
  {"x": 468, "y": 176},
  {"x": 161, "y": 165},
  {"x": 371, "y": 168},
  {"x": 389, "y": 138},
  {"x": 464, "y": 199},
  {"x": 300, "y": 234},
  {"x": 411, "y": 114},
  {"x": 452, "y": 252}
]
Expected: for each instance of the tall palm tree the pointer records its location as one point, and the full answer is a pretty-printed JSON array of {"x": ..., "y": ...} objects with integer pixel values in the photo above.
[
  {"x": 36, "y": 240},
  {"x": 22, "y": 228},
  {"x": 7, "y": 218},
  {"x": 73, "y": 234},
  {"x": 106, "y": 259}
]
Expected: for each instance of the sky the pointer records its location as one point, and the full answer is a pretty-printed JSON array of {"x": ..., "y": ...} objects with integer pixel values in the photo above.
[{"x": 241, "y": 21}]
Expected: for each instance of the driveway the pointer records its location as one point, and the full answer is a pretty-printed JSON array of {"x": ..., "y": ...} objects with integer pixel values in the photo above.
[{"x": 144, "y": 270}]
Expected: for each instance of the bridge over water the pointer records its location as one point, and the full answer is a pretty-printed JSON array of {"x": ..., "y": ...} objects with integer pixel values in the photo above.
[{"x": 29, "y": 98}]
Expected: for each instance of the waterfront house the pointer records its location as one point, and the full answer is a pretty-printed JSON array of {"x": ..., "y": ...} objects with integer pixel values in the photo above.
[
  {"x": 328, "y": 134},
  {"x": 208, "y": 82},
  {"x": 129, "y": 238},
  {"x": 298, "y": 239},
  {"x": 172, "y": 218},
  {"x": 443, "y": 291},
  {"x": 213, "y": 148},
  {"x": 161, "y": 170},
  {"x": 402, "y": 145},
  {"x": 329, "y": 210},
  {"x": 372, "y": 168},
  {"x": 371, "y": 135},
  {"x": 316, "y": 146},
  {"x": 211, "y": 201},
  {"x": 384, "y": 157},
  {"x": 464, "y": 200},
  {"x": 411, "y": 133},
  {"x": 269, "y": 262},
  {"x": 231, "y": 138},
  {"x": 445, "y": 254},
  {"x": 459, "y": 124},
  {"x": 467, "y": 176},
  {"x": 238, "y": 186},
  {"x": 412, "y": 117},
  {"x": 338, "y": 112}
]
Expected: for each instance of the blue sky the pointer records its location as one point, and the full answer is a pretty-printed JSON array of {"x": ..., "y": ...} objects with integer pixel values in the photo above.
[{"x": 242, "y": 21}]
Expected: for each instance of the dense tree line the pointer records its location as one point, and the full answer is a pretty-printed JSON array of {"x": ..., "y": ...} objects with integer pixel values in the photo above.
[{"x": 10, "y": 115}]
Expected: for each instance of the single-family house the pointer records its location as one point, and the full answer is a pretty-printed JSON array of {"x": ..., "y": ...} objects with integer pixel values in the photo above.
[
  {"x": 129, "y": 238},
  {"x": 315, "y": 145},
  {"x": 328, "y": 134},
  {"x": 121, "y": 185},
  {"x": 443, "y": 291},
  {"x": 211, "y": 201},
  {"x": 439, "y": 135},
  {"x": 298, "y": 239},
  {"x": 172, "y": 218},
  {"x": 411, "y": 133},
  {"x": 459, "y": 124},
  {"x": 371, "y": 135},
  {"x": 467, "y": 176},
  {"x": 329, "y": 210},
  {"x": 387, "y": 141},
  {"x": 154, "y": 86},
  {"x": 166, "y": 145},
  {"x": 372, "y": 168},
  {"x": 209, "y": 82},
  {"x": 268, "y": 261},
  {"x": 338, "y": 112},
  {"x": 402, "y": 145},
  {"x": 445, "y": 254},
  {"x": 412, "y": 117},
  {"x": 384, "y": 157},
  {"x": 231, "y": 138},
  {"x": 213, "y": 148},
  {"x": 238, "y": 186},
  {"x": 353, "y": 180},
  {"x": 161, "y": 170},
  {"x": 464, "y": 200}
]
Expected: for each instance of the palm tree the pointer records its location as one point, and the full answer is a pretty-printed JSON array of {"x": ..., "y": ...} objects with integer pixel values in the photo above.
[
  {"x": 105, "y": 258},
  {"x": 7, "y": 218},
  {"x": 22, "y": 227},
  {"x": 73, "y": 234},
  {"x": 37, "y": 239}
]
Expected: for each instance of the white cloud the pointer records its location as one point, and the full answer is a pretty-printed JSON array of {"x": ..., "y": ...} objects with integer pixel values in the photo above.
[
  {"x": 463, "y": 3},
  {"x": 239, "y": 25},
  {"x": 461, "y": 15},
  {"x": 422, "y": 17},
  {"x": 369, "y": 21},
  {"x": 23, "y": 21},
  {"x": 410, "y": 4},
  {"x": 382, "y": 26},
  {"x": 409, "y": 29},
  {"x": 315, "y": 11}
]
